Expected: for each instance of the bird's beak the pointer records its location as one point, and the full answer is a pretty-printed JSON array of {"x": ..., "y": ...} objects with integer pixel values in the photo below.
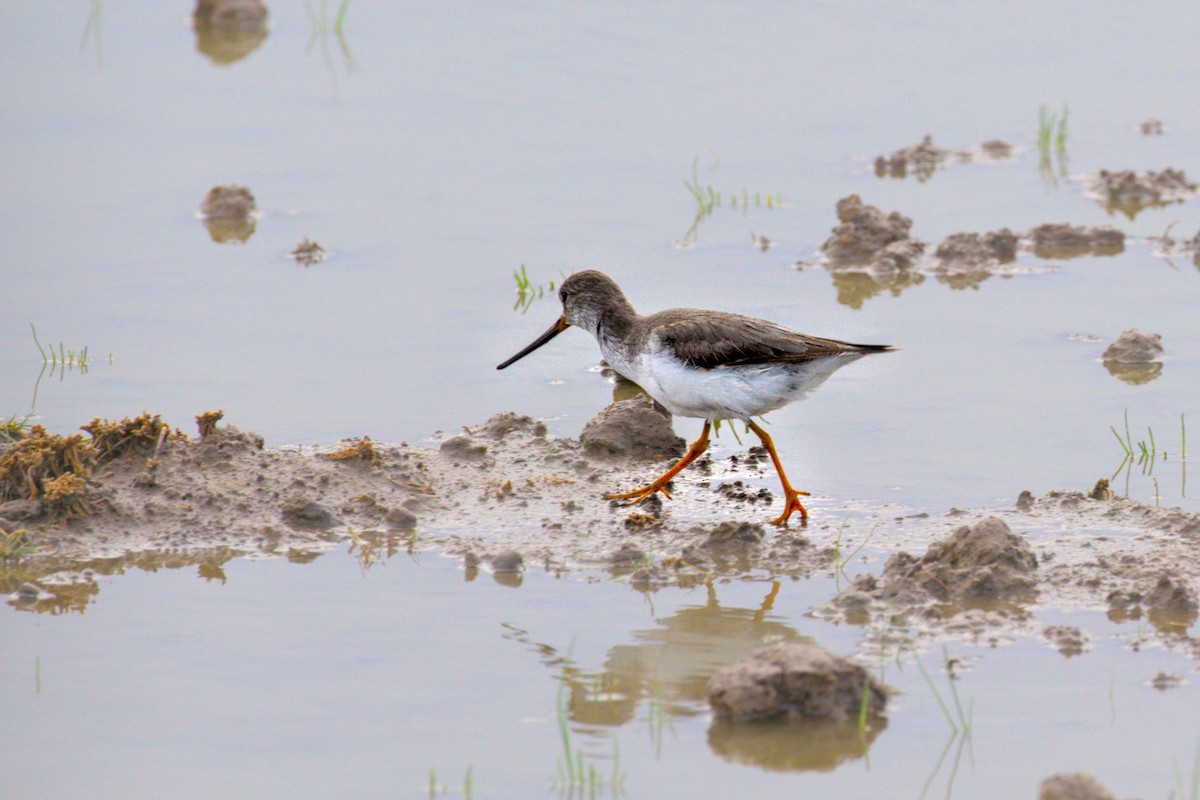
[{"x": 555, "y": 329}]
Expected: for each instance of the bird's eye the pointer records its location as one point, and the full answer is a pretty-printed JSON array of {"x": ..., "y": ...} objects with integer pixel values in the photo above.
[{"x": 562, "y": 295}]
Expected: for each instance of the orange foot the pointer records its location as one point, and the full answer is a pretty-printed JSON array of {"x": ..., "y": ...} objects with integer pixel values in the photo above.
[
  {"x": 792, "y": 504},
  {"x": 638, "y": 495},
  {"x": 659, "y": 485}
]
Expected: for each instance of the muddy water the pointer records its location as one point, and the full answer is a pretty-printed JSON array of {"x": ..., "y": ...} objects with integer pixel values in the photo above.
[{"x": 433, "y": 153}]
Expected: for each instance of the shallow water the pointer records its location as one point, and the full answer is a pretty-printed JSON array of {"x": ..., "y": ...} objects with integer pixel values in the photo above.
[
  {"x": 302, "y": 680},
  {"x": 434, "y": 152}
]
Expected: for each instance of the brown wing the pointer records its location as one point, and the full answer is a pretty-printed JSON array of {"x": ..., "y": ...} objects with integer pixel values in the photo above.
[{"x": 706, "y": 339}]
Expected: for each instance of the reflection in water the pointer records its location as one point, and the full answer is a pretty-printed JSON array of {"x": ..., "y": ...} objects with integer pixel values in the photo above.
[
  {"x": 816, "y": 746},
  {"x": 91, "y": 31},
  {"x": 229, "y": 30},
  {"x": 1052, "y": 131},
  {"x": 1134, "y": 373},
  {"x": 668, "y": 668},
  {"x": 674, "y": 661},
  {"x": 321, "y": 27},
  {"x": 70, "y": 585},
  {"x": 709, "y": 199},
  {"x": 231, "y": 230},
  {"x": 963, "y": 739},
  {"x": 854, "y": 287}
]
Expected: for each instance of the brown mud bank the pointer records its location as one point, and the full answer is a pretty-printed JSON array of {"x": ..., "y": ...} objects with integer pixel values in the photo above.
[{"x": 505, "y": 497}]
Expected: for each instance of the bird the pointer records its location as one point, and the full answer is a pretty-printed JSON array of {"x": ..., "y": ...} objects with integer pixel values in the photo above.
[{"x": 710, "y": 365}]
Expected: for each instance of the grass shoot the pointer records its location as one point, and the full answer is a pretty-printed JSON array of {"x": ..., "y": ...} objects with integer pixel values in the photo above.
[
  {"x": 575, "y": 772},
  {"x": 62, "y": 358},
  {"x": 528, "y": 291},
  {"x": 708, "y": 199},
  {"x": 1145, "y": 453}
]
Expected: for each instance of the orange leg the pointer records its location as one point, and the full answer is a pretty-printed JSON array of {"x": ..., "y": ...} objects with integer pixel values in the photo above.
[
  {"x": 638, "y": 495},
  {"x": 791, "y": 497}
]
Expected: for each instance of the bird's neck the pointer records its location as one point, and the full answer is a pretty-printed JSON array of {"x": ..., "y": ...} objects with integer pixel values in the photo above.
[{"x": 614, "y": 324}]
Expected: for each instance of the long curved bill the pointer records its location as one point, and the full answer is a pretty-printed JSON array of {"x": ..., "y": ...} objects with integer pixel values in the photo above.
[{"x": 555, "y": 329}]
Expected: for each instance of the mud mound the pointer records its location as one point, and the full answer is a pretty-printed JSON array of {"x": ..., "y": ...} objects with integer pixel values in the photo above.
[
  {"x": 967, "y": 251},
  {"x": 921, "y": 159},
  {"x": 1072, "y": 786},
  {"x": 1063, "y": 240},
  {"x": 796, "y": 682},
  {"x": 633, "y": 428},
  {"x": 982, "y": 560},
  {"x": 232, "y": 201},
  {"x": 864, "y": 232},
  {"x": 1135, "y": 357},
  {"x": 924, "y": 158},
  {"x": 1130, "y": 192},
  {"x": 1135, "y": 347},
  {"x": 229, "y": 212}
]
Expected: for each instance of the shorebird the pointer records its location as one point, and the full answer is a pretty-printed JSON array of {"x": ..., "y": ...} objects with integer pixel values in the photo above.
[{"x": 711, "y": 365}]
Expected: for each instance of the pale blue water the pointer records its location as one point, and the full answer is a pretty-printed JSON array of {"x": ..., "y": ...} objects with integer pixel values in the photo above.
[
  {"x": 318, "y": 680},
  {"x": 459, "y": 143}
]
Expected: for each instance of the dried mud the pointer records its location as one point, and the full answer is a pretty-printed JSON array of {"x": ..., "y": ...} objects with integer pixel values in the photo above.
[{"x": 505, "y": 498}]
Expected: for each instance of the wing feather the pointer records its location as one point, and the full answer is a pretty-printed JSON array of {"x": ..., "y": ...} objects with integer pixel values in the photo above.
[{"x": 709, "y": 340}]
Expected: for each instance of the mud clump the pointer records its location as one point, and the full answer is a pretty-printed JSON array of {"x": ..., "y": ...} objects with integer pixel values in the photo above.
[
  {"x": 507, "y": 562},
  {"x": 1130, "y": 192},
  {"x": 633, "y": 428},
  {"x": 229, "y": 30},
  {"x": 463, "y": 448},
  {"x": 307, "y": 515},
  {"x": 966, "y": 251},
  {"x": 1135, "y": 357},
  {"x": 1135, "y": 347},
  {"x": 1067, "y": 639},
  {"x": 921, "y": 159},
  {"x": 1172, "y": 604},
  {"x": 232, "y": 15},
  {"x": 1063, "y": 240},
  {"x": 794, "y": 682},
  {"x": 1151, "y": 127},
  {"x": 230, "y": 213},
  {"x": 732, "y": 536},
  {"x": 500, "y": 426},
  {"x": 976, "y": 561},
  {"x": 925, "y": 158},
  {"x": 232, "y": 201},
  {"x": 864, "y": 232},
  {"x": 1072, "y": 786},
  {"x": 308, "y": 252}
]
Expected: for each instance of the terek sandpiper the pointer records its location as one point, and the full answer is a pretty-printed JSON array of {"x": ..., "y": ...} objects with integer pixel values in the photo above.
[{"x": 711, "y": 365}]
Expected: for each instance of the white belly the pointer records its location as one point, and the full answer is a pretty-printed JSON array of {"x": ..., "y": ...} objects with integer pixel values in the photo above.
[{"x": 738, "y": 392}]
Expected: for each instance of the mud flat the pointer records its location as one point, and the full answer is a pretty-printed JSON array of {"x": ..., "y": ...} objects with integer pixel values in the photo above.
[{"x": 505, "y": 497}]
